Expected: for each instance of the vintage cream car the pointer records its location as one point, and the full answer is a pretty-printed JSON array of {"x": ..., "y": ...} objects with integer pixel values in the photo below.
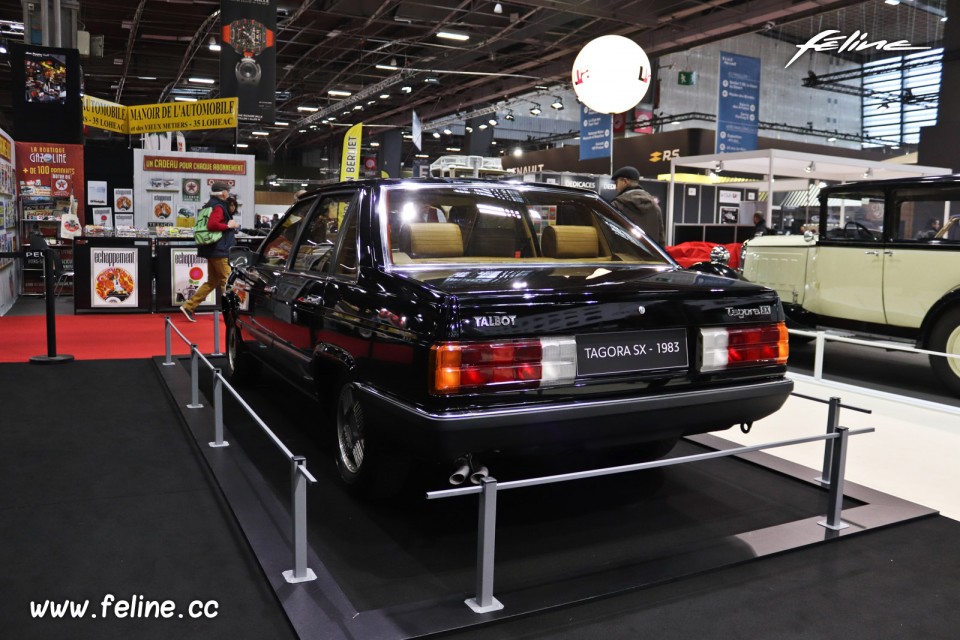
[{"x": 885, "y": 261}]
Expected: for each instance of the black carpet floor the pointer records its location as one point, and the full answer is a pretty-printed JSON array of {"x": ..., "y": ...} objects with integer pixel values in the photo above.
[{"x": 104, "y": 493}]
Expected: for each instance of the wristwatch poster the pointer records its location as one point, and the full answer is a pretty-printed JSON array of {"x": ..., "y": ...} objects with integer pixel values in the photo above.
[{"x": 248, "y": 57}]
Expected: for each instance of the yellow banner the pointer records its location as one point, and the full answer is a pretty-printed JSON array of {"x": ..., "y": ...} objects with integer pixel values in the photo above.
[
  {"x": 219, "y": 113},
  {"x": 104, "y": 115},
  {"x": 350, "y": 164}
]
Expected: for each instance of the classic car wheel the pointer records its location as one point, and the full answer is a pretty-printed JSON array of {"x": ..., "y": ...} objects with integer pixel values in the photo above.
[
  {"x": 241, "y": 367},
  {"x": 363, "y": 462},
  {"x": 945, "y": 337}
]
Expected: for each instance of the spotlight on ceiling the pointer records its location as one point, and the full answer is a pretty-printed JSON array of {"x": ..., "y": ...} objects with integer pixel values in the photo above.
[
  {"x": 447, "y": 131},
  {"x": 517, "y": 152},
  {"x": 509, "y": 116},
  {"x": 482, "y": 127},
  {"x": 468, "y": 129},
  {"x": 557, "y": 103},
  {"x": 214, "y": 45},
  {"x": 492, "y": 122},
  {"x": 498, "y": 8},
  {"x": 406, "y": 88},
  {"x": 453, "y": 35},
  {"x": 436, "y": 134},
  {"x": 535, "y": 110}
]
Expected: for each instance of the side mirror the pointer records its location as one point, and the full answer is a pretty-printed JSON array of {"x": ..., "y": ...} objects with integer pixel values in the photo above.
[{"x": 241, "y": 257}]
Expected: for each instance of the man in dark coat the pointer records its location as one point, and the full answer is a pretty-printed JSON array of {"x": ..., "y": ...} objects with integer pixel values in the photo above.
[
  {"x": 221, "y": 219},
  {"x": 638, "y": 205}
]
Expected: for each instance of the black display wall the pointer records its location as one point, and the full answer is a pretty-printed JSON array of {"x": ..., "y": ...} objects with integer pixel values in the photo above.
[
  {"x": 45, "y": 94},
  {"x": 108, "y": 162}
]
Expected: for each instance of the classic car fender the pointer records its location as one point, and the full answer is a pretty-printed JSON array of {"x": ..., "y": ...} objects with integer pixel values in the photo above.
[
  {"x": 781, "y": 263},
  {"x": 948, "y": 301}
]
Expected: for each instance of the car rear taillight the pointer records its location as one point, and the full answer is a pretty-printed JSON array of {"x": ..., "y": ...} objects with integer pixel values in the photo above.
[
  {"x": 465, "y": 367},
  {"x": 731, "y": 347}
]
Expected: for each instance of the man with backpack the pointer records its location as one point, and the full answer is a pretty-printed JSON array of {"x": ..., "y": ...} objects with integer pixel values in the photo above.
[{"x": 215, "y": 248}]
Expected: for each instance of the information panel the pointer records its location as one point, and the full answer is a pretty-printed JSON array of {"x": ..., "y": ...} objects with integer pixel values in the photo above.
[{"x": 738, "y": 103}]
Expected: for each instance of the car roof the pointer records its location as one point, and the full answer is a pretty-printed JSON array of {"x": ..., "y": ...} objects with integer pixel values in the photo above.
[
  {"x": 952, "y": 180},
  {"x": 476, "y": 182}
]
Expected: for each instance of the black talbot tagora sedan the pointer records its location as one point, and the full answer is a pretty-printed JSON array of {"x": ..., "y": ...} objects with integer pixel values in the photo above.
[{"x": 443, "y": 319}]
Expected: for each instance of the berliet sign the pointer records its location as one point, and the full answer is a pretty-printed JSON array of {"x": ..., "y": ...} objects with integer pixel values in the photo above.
[{"x": 826, "y": 41}]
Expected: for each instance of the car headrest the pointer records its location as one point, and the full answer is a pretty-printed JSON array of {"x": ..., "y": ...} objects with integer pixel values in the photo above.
[
  {"x": 566, "y": 241},
  {"x": 431, "y": 240}
]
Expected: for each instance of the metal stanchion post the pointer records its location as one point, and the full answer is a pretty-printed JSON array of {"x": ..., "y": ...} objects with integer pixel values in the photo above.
[
  {"x": 167, "y": 330},
  {"x": 838, "y": 462},
  {"x": 218, "y": 411},
  {"x": 300, "y": 572},
  {"x": 486, "y": 544},
  {"x": 216, "y": 333},
  {"x": 818, "y": 356},
  {"x": 194, "y": 379},
  {"x": 833, "y": 421}
]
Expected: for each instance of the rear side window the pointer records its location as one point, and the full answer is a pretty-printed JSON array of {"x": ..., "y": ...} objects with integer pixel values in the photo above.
[
  {"x": 856, "y": 216},
  {"x": 276, "y": 250}
]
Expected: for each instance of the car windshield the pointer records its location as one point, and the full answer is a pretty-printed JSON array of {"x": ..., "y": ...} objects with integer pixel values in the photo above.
[{"x": 507, "y": 224}]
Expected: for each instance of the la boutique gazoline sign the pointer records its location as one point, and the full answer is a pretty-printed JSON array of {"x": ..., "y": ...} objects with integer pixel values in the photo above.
[{"x": 611, "y": 74}]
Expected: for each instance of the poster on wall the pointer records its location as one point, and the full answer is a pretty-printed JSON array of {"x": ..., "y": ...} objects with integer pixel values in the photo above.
[
  {"x": 103, "y": 216},
  {"x": 184, "y": 181},
  {"x": 49, "y": 169},
  {"x": 123, "y": 200},
  {"x": 248, "y": 59},
  {"x": 45, "y": 93},
  {"x": 114, "y": 281},
  {"x": 123, "y": 219},
  {"x": 96, "y": 192},
  {"x": 189, "y": 271},
  {"x": 161, "y": 209}
]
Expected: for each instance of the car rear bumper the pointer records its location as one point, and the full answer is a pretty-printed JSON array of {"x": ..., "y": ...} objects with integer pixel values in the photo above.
[{"x": 597, "y": 422}]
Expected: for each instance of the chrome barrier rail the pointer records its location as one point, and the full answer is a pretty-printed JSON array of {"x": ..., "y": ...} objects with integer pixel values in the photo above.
[
  {"x": 299, "y": 476},
  {"x": 835, "y": 460}
]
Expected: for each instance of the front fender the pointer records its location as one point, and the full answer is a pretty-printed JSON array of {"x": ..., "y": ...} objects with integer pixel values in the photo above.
[{"x": 951, "y": 299}]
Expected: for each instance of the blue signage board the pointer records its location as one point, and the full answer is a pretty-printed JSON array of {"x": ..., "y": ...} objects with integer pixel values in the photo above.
[
  {"x": 738, "y": 103},
  {"x": 596, "y": 134}
]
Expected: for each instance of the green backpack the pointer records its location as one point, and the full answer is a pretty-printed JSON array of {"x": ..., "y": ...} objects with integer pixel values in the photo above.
[{"x": 202, "y": 235}]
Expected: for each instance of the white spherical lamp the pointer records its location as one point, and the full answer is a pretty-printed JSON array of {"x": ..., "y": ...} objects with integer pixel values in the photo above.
[{"x": 611, "y": 74}]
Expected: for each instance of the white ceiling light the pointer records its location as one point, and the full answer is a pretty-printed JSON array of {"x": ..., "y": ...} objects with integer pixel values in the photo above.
[
  {"x": 201, "y": 80},
  {"x": 535, "y": 109},
  {"x": 557, "y": 103},
  {"x": 184, "y": 99},
  {"x": 214, "y": 45},
  {"x": 406, "y": 88},
  {"x": 454, "y": 149},
  {"x": 338, "y": 93},
  {"x": 387, "y": 67},
  {"x": 278, "y": 123},
  {"x": 453, "y": 35},
  {"x": 310, "y": 109},
  {"x": 374, "y": 144},
  {"x": 517, "y": 152},
  {"x": 259, "y": 133},
  {"x": 447, "y": 131},
  {"x": 384, "y": 96},
  {"x": 242, "y": 145},
  {"x": 498, "y": 8},
  {"x": 436, "y": 134}
]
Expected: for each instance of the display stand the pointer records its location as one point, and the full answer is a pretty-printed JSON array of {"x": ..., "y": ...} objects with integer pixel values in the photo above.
[{"x": 52, "y": 356}]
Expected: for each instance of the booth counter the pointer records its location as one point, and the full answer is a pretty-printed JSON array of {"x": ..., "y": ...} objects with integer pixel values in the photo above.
[{"x": 139, "y": 275}]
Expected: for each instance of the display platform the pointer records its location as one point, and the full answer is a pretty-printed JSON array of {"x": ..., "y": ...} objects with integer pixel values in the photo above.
[{"x": 405, "y": 568}]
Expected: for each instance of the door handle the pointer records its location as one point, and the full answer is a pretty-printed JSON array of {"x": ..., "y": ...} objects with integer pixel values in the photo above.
[{"x": 270, "y": 288}]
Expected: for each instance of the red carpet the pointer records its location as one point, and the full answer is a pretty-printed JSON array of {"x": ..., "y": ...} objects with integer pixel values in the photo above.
[{"x": 104, "y": 336}]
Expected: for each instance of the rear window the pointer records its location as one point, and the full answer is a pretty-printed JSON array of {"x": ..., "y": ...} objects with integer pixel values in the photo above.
[{"x": 506, "y": 224}]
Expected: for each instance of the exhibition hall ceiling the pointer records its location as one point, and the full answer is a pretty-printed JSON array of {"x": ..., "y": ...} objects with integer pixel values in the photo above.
[{"x": 151, "y": 49}]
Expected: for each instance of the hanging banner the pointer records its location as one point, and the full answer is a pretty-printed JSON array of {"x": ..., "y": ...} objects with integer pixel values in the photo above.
[
  {"x": 350, "y": 164},
  {"x": 114, "y": 282},
  {"x": 248, "y": 57},
  {"x": 219, "y": 113},
  {"x": 102, "y": 114},
  {"x": 738, "y": 103},
  {"x": 596, "y": 134},
  {"x": 187, "y": 272},
  {"x": 45, "y": 93}
]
